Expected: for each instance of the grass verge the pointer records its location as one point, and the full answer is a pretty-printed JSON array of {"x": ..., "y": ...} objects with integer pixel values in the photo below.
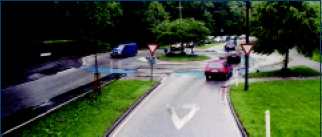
[
  {"x": 293, "y": 104},
  {"x": 298, "y": 71},
  {"x": 183, "y": 58},
  {"x": 89, "y": 117},
  {"x": 206, "y": 46}
]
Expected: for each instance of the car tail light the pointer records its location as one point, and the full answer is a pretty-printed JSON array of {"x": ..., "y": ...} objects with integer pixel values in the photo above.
[{"x": 225, "y": 69}]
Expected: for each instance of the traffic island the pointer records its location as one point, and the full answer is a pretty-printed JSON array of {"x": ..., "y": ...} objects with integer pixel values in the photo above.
[
  {"x": 294, "y": 106},
  {"x": 296, "y": 71},
  {"x": 183, "y": 58},
  {"x": 87, "y": 116}
]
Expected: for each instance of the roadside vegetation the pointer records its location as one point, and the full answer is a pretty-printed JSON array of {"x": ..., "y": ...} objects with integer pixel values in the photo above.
[
  {"x": 89, "y": 117},
  {"x": 294, "y": 106},
  {"x": 301, "y": 31},
  {"x": 316, "y": 56},
  {"x": 183, "y": 58},
  {"x": 298, "y": 71}
]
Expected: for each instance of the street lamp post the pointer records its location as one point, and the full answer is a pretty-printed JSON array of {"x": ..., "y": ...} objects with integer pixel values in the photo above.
[{"x": 247, "y": 49}]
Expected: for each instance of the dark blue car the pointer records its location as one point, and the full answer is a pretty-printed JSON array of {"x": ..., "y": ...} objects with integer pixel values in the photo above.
[{"x": 125, "y": 50}]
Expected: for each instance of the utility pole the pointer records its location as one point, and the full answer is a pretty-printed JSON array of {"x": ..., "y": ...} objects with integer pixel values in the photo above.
[{"x": 180, "y": 10}]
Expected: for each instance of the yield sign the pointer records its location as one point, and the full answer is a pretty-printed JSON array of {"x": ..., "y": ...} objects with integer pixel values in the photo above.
[{"x": 152, "y": 48}]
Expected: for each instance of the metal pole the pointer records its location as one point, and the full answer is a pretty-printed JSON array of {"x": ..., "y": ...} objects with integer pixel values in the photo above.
[
  {"x": 151, "y": 72},
  {"x": 96, "y": 64},
  {"x": 247, "y": 21},
  {"x": 246, "y": 72},
  {"x": 96, "y": 76},
  {"x": 180, "y": 10},
  {"x": 247, "y": 42}
]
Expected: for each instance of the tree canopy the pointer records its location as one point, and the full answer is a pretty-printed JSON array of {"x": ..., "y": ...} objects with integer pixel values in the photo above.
[
  {"x": 155, "y": 14},
  {"x": 281, "y": 26},
  {"x": 181, "y": 30},
  {"x": 107, "y": 14}
]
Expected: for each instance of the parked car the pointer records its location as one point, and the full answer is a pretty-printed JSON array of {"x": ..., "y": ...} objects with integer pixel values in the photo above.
[
  {"x": 230, "y": 45},
  {"x": 218, "y": 69},
  {"x": 125, "y": 50}
]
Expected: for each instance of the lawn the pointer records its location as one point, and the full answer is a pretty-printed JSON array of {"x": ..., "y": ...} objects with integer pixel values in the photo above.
[
  {"x": 89, "y": 117},
  {"x": 316, "y": 56},
  {"x": 298, "y": 71},
  {"x": 294, "y": 106},
  {"x": 183, "y": 58}
]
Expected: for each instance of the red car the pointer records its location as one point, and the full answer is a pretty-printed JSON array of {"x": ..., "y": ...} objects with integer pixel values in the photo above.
[{"x": 218, "y": 69}]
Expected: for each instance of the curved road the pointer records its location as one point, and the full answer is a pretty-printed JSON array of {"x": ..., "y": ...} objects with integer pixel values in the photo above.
[{"x": 184, "y": 105}]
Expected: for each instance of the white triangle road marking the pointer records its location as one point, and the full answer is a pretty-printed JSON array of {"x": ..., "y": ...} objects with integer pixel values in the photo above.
[{"x": 180, "y": 122}]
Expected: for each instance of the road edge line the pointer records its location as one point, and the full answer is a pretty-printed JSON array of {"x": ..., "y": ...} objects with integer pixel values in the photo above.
[
  {"x": 241, "y": 128},
  {"x": 122, "y": 118}
]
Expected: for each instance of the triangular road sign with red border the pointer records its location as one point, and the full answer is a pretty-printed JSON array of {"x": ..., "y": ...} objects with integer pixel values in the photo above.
[{"x": 152, "y": 48}]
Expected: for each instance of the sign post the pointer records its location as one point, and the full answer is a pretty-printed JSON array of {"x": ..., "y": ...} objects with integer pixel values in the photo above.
[
  {"x": 151, "y": 58},
  {"x": 246, "y": 48},
  {"x": 97, "y": 83}
]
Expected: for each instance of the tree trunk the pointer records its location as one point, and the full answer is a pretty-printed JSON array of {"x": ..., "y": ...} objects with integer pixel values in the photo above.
[{"x": 286, "y": 60}]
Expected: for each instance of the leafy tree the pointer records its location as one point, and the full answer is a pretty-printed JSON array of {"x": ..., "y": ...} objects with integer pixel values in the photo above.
[
  {"x": 155, "y": 14},
  {"x": 281, "y": 26},
  {"x": 181, "y": 30},
  {"x": 105, "y": 17},
  {"x": 107, "y": 14}
]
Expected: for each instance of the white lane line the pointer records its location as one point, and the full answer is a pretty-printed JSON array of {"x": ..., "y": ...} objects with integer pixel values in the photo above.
[{"x": 180, "y": 122}]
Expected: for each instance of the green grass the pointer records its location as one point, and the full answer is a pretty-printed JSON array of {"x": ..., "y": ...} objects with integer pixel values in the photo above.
[
  {"x": 206, "y": 46},
  {"x": 56, "y": 41},
  {"x": 316, "y": 56},
  {"x": 183, "y": 58},
  {"x": 298, "y": 71},
  {"x": 89, "y": 117},
  {"x": 293, "y": 104}
]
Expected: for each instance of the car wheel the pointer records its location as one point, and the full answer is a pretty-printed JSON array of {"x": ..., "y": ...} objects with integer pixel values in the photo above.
[
  {"x": 208, "y": 78},
  {"x": 227, "y": 76}
]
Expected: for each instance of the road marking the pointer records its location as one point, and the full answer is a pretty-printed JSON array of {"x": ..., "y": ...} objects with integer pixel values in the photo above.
[{"x": 180, "y": 122}]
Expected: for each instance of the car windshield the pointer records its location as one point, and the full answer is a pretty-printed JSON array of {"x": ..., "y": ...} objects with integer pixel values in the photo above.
[{"x": 121, "y": 46}]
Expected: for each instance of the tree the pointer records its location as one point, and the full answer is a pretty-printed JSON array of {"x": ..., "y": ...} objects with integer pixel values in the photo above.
[
  {"x": 105, "y": 17},
  {"x": 155, "y": 14},
  {"x": 107, "y": 14},
  {"x": 281, "y": 26},
  {"x": 200, "y": 10},
  {"x": 181, "y": 30}
]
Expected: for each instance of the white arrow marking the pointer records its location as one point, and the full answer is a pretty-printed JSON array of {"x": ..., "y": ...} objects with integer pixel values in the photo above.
[{"x": 180, "y": 122}]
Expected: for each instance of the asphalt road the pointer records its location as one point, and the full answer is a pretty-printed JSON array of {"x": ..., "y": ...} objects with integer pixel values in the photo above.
[
  {"x": 184, "y": 105},
  {"x": 38, "y": 93},
  {"x": 181, "y": 92}
]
